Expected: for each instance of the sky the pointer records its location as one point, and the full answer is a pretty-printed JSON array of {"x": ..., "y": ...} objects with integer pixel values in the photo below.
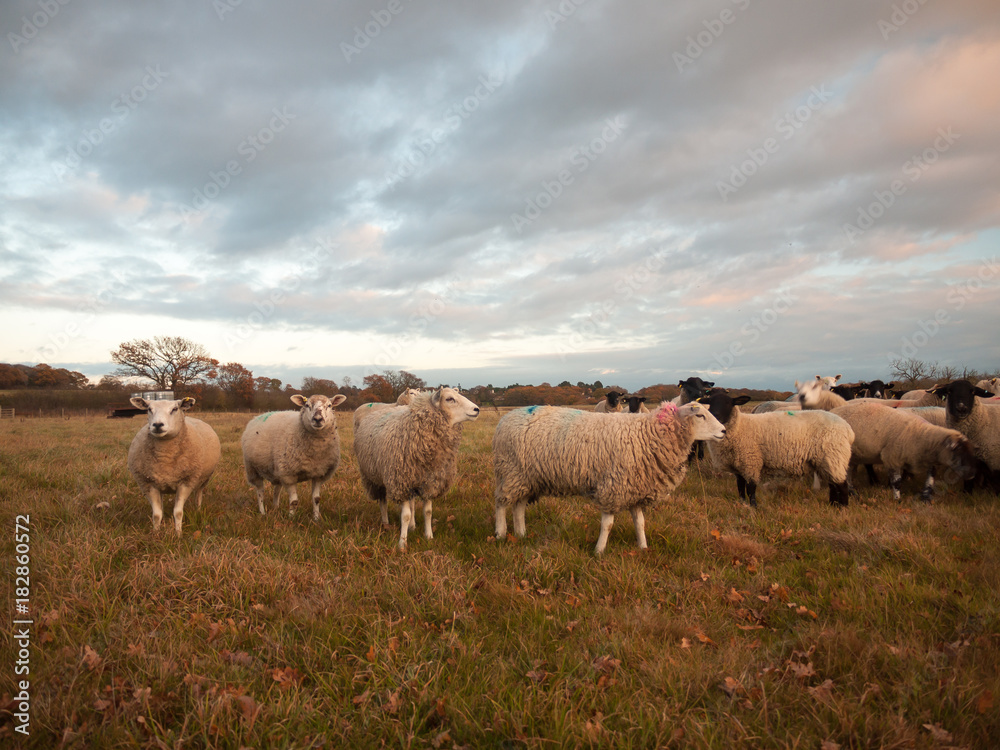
[{"x": 504, "y": 192}]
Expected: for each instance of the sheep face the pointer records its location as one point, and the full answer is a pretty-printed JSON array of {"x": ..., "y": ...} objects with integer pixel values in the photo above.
[
  {"x": 613, "y": 398},
  {"x": 955, "y": 452},
  {"x": 456, "y": 406},
  {"x": 633, "y": 403},
  {"x": 694, "y": 388},
  {"x": 960, "y": 397},
  {"x": 316, "y": 412},
  {"x": 878, "y": 388},
  {"x": 164, "y": 418},
  {"x": 706, "y": 426},
  {"x": 829, "y": 381},
  {"x": 407, "y": 396},
  {"x": 808, "y": 392},
  {"x": 722, "y": 405}
]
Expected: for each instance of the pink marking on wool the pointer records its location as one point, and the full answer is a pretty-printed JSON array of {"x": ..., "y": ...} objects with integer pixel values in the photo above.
[{"x": 666, "y": 411}]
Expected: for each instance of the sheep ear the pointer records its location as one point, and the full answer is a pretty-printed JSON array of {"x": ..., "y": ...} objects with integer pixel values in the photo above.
[
  {"x": 138, "y": 402},
  {"x": 837, "y": 377},
  {"x": 981, "y": 392},
  {"x": 709, "y": 383},
  {"x": 338, "y": 400},
  {"x": 299, "y": 400},
  {"x": 187, "y": 402},
  {"x": 740, "y": 400},
  {"x": 436, "y": 398},
  {"x": 937, "y": 390}
]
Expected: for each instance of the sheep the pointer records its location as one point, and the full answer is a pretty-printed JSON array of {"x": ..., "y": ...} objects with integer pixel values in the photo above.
[
  {"x": 611, "y": 402},
  {"x": 768, "y": 406},
  {"x": 936, "y": 415},
  {"x": 629, "y": 463},
  {"x": 878, "y": 388},
  {"x": 636, "y": 404},
  {"x": 978, "y": 421},
  {"x": 902, "y": 441},
  {"x": 786, "y": 442},
  {"x": 287, "y": 447},
  {"x": 172, "y": 453},
  {"x": 828, "y": 382},
  {"x": 920, "y": 397},
  {"x": 814, "y": 395},
  {"x": 368, "y": 409},
  {"x": 692, "y": 389},
  {"x": 992, "y": 385},
  {"x": 410, "y": 454}
]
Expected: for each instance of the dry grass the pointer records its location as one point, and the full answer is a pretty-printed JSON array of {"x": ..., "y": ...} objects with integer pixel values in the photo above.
[{"x": 781, "y": 627}]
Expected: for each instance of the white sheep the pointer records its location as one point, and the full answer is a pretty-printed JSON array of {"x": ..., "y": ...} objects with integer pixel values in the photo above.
[
  {"x": 172, "y": 453},
  {"x": 829, "y": 381},
  {"x": 410, "y": 454},
  {"x": 765, "y": 407},
  {"x": 366, "y": 410},
  {"x": 629, "y": 463},
  {"x": 287, "y": 447},
  {"x": 920, "y": 397},
  {"x": 902, "y": 441},
  {"x": 791, "y": 443},
  {"x": 979, "y": 421},
  {"x": 936, "y": 415},
  {"x": 813, "y": 394},
  {"x": 611, "y": 403}
]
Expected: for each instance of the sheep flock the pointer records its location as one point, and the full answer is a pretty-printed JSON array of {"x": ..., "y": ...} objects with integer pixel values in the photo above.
[{"x": 620, "y": 456}]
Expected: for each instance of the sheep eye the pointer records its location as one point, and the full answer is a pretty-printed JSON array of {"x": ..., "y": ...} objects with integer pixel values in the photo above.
[{"x": 173, "y": 410}]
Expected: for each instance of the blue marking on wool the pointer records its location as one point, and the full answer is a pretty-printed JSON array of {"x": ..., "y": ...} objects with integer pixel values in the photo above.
[
  {"x": 263, "y": 417},
  {"x": 531, "y": 409}
]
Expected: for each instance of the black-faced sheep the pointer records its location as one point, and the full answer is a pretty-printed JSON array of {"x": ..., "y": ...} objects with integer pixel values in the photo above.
[
  {"x": 410, "y": 454},
  {"x": 791, "y": 443},
  {"x": 902, "y": 441},
  {"x": 629, "y": 463},
  {"x": 287, "y": 447},
  {"x": 979, "y": 421},
  {"x": 612, "y": 401},
  {"x": 636, "y": 404},
  {"x": 692, "y": 389},
  {"x": 172, "y": 453}
]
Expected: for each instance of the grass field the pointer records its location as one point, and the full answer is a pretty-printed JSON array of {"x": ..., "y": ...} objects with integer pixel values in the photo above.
[{"x": 795, "y": 625}]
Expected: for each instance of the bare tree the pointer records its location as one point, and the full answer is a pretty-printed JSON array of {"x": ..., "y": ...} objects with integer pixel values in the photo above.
[
  {"x": 171, "y": 362},
  {"x": 910, "y": 370}
]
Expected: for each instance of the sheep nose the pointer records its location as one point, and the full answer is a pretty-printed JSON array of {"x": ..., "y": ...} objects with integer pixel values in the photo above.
[{"x": 157, "y": 425}]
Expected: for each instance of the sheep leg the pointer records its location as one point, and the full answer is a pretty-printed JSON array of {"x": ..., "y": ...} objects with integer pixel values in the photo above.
[
  {"x": 872, "y": 476},
  {"x": 640, "y": 527},
  {"x": 895, "y": 480},
  {"x": 607, "y": 521},
  {"x": 275, "y": 496},
  {"x": 927, "y": 493},
  {"x": 383, "y": 506},
  {"x": 752, "y": 493},
  {"x": 316, "y": 489},
  {"x": 428, "y": 531},
  {"x": 293, "y": 499},
  {"x": 839, "y": 493},
  {"x": 518, "y": 513},
  {"x": 405, "y": 516},
  {"x": 183, "y": 493},
  {"x": 156, "y": 501},
  {"x": 501, "y": 521},
  {"x": 741, "y": 487}
]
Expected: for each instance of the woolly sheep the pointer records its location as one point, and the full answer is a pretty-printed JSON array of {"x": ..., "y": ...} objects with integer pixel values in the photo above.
[
  {"x": 636, "y": 404},
  {"x": 793, "y": 443},
  {"x": 920, "y": 397},
  {"x": 172, "y": 453},
  {"x": 611, "y": 402},
  {"x": 765, "y": 407},
  {"x": 410, "y": 454},
  {"x": 366, "y": 410},
  {"x": 629, "y": 463},
  {"x": 992, "y": 385},
  {"x": 814, "y": 395},
  {"x": 902, "y": 441},
  {"x": 828, "y": 382},
  {"x": 287, "y": 447},
  {"x": 978, "y": 421}
]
